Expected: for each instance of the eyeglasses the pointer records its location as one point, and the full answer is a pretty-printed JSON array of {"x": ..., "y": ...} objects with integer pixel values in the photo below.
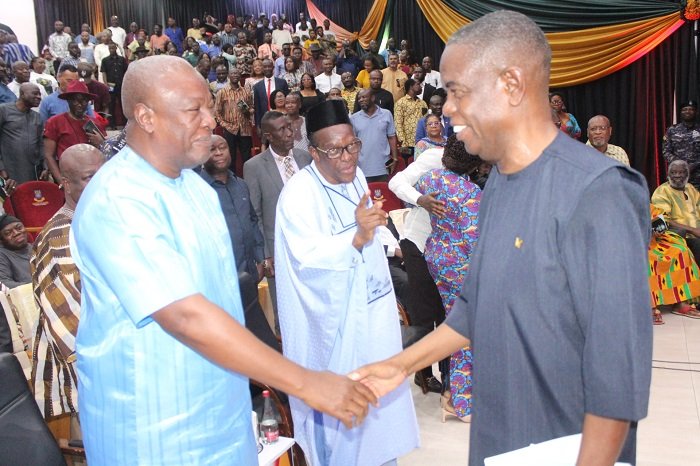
[
  {"x": 434, "y": 123},
  {"x": 594, "y": 129},
  {"x": 353, "y": 148}
]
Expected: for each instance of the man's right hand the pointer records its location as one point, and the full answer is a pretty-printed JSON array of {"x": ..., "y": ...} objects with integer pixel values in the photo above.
[
  {"x": 432, "y": 205},
  {"x": 382, "y": 377},
  {"x": 368, "y": 219},
  {"x": 338, "y": 396}
]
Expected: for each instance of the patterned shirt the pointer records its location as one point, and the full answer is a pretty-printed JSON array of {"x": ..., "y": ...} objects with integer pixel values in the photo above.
[
  {"x": 56, "y": 285},
  {"x": 242, "y": 52},
  {"x": 349, "y": 97},
  {"x": 228, "y": 113},
  {"x": 615, "y": 153},
  {"x": 407, "y": 112},
  {"x": 58, "y": 44}
]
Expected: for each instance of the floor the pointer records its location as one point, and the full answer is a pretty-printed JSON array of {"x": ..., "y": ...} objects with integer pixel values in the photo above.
[{"x": 669, "y": 436}]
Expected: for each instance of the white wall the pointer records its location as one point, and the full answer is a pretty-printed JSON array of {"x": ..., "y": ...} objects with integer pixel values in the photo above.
[{"x": 19, "y": 15}]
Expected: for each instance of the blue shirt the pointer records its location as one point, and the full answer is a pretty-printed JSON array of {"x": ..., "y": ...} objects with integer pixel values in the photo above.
[
  {"x": 176, "y": 37},
  {"x": 279, "y": 66},
  {"x": 352, "y": 64},
  {"x": 78, "y": 40},
  {"x": 142, "y": 241},
  {"x": 374, "y": 132},
  {"x": 6, "y": 95},
  {"x": 52, "y": 105}
]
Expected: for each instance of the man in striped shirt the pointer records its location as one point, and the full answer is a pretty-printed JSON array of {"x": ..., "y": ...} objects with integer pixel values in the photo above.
[{"x": 56, "y": 285}]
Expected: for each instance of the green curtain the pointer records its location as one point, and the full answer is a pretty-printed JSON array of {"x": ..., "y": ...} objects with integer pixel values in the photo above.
[{"x": 566, "y": 15}]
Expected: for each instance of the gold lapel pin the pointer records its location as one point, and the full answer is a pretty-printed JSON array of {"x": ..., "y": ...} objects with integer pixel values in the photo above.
[{"x": 518, "y": 242}]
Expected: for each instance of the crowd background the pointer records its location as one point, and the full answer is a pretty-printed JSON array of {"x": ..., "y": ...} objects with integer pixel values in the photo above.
[{"x": 640, "y": 96}]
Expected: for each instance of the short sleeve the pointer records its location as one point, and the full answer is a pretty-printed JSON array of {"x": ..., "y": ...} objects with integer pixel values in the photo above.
[
  {"x": 390, "y": 127},
  {"x": 51, "y": 130},
  {"x": 604, "y": 252},
  {"x": 142, "y": 265}
]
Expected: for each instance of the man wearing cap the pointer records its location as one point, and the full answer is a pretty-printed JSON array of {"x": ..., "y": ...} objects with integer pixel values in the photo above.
[
  {"x": 14, "y": 253},
  {"x": 316, "y": 59},
  {"x": 336, "y": 303},
  {"x": 161, "y": 308},
  {"x": 682, "y": 141},
  {"x": 21, "y": 144},
  {"x": 71, "y": 127},
  {"x": 53, "y": 105}
]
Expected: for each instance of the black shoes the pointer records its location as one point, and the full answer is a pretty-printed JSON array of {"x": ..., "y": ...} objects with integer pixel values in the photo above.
[{"x": 427, "y": 384}]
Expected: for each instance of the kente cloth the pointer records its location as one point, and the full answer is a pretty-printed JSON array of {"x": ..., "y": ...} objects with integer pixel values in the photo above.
[
  {"x": 448, "y": 252},
  {"x": 337, "y": 312},
  {"x": 673, "y": 272},
  {"x": 56, "y": 285},
  {"x": 142, "y": 241},
  {"x": 556, "y": 302}
]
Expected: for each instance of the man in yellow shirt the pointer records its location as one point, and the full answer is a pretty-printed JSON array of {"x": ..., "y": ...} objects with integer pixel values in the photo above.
[
  {"x": 394, "y": 78},
  {"x": 680, "y": 202}
]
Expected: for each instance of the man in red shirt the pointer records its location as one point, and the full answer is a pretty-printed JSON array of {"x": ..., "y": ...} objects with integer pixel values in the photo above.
[{"x": 69, "y": 128}]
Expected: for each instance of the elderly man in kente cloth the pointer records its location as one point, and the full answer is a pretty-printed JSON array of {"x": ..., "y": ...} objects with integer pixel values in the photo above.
[
  {"x": 337, "y": 307},
  {"x": 163, "y": 356},
  {"x": 556, "y": 303}
]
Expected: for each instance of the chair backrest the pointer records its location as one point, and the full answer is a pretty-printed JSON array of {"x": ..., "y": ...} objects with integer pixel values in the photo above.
[
  {"x": 379, "y": 190},
  {"x": 35, "y": 202},
  {"x": 25, "y": 437}
]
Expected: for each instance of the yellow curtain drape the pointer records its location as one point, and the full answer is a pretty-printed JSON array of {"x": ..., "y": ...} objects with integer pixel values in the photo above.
[
  {"x": 369, "y": 30},
  {"x": 578, "y": 56},
  {"x": 96, "y": 15}
]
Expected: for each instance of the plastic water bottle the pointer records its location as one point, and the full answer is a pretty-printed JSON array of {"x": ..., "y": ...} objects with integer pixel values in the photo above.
[{"x": 269, "y": 429}]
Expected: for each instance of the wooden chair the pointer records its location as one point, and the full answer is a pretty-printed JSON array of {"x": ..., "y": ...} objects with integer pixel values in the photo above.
[{"x": 286, "y": 425}]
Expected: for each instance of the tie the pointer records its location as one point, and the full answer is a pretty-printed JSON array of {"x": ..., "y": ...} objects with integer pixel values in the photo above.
[
  {"x": 288, "y": 167},
  {"x": 268, "y": 92}
]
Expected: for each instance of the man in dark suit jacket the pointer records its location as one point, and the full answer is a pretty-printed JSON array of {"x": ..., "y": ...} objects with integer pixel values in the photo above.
[
  {"x": 382, "y": 97},
  {"x": 266, "y": 175},
  {"x": 428, "y": 89},
  {"x": 260, "y": 94}
]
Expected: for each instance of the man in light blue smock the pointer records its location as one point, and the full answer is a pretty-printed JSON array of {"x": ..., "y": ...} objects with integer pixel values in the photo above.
[
  {"x": 336, "y": 303},
  {"x": 163, "y": 358}
]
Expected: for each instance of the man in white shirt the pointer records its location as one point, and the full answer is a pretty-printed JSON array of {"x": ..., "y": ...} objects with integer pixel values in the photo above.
[
  {"x": 302, "y": 19},
  {"x": 328, "y": 79},
  {"x": 118, "y": 33},
  {"x": 432, "y": 77},
  {"x": 426, "y": 309}
]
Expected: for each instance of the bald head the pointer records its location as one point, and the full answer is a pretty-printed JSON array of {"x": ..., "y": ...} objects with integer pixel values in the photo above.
[
  {"x": 78, "y": 165},
  {"x": 140, "y": 87},
  {"x": 507, "y": 38}
]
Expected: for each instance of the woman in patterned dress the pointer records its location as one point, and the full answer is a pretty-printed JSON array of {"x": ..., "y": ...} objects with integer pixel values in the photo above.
[{"x": 448, "y": 251}]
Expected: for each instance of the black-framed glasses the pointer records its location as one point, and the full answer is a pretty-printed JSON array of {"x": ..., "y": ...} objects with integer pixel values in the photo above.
[{"x": 353, "y": 148}]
